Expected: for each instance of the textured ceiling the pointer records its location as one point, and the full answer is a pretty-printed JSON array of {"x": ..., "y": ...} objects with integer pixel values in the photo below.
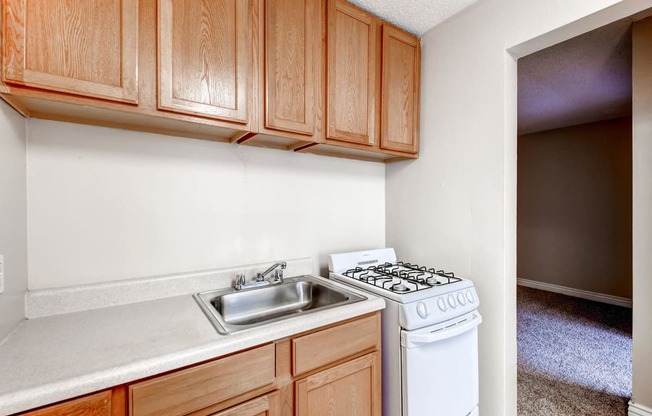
[
  {"x": 415, "y": 16},
  {"x": 582, "y": 80}
]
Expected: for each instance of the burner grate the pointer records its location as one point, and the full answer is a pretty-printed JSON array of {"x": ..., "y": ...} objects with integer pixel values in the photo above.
[{"x": 402, "y": 277}]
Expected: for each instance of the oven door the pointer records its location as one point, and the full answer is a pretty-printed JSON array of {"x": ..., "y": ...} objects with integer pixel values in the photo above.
[{"x": 439, "y": 371}]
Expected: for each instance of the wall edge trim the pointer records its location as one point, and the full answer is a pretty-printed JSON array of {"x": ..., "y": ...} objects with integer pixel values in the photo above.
[
  {"x": 577, "y": 293},
  {"x": 636, "y": 409}
]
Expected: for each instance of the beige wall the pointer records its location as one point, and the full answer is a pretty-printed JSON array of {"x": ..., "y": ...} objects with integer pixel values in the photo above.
[
  {"x": 642, "y": 233},
  {"x": 107, "y": 204},
  {"x": 13, "y": 223},
  {"x": 575, "y": 207},
  {"x": 462, "y": 189}
]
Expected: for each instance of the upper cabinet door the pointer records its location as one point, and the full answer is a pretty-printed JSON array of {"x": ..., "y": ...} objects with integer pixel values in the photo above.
[
  {"x": 292, "y": 59},
  {"x": 87, "y": 48},
  {"x": 353, "y": 70},
  {"x": 400, "y": 91},
  {"x": 206, "y": 57}
]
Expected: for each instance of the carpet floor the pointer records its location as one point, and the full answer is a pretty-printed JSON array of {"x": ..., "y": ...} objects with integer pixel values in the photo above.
[{"x": 574, "y": 356}]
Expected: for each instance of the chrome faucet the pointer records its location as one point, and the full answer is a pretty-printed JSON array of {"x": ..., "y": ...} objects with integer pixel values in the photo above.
[
  {"x": 241, "y": 281},
  {"x": 278, "y": 276}
]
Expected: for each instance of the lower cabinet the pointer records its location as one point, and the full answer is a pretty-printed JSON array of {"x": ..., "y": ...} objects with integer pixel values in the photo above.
[
  {"x": 352, "y": 388},
  {"x": 333, "y": 370},
  {"x": 205, "y": 385}
]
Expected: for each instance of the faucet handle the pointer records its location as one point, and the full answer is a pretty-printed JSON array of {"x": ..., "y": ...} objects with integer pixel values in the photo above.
[
  {"x": 278, "y": 275},
  {"x": 240, "y": 280}
]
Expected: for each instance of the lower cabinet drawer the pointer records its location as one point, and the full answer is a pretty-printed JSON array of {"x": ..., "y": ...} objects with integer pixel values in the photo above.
[
  {"x": 97, "y": 404},
  {"x": 195, "y": 388},
  {"x": 324, "y": 347}
]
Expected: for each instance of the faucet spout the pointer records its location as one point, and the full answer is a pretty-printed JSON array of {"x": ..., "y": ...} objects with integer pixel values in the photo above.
[{"x": 279, "y": 274}]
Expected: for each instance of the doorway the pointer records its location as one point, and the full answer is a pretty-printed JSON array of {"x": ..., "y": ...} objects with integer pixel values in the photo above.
[{"x": 574, "y": 225}]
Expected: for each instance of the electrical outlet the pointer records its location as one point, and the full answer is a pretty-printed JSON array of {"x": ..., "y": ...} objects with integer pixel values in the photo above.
[{"x": 2, "y": 273}]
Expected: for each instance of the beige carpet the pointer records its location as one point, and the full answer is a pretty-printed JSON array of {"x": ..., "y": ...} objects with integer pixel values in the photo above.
[{"x": 574, "y": 356}]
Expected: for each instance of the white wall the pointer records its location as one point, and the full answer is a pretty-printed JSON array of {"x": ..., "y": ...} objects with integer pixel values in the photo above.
[
  {"x": 463, "y": 187},
  {"x": 13, "y": 223},
  {"x": 107, "y": 204},
  {"x": 642, "y": 212}
]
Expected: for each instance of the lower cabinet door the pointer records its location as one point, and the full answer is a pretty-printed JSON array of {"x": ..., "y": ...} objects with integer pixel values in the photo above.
[
  {"x": 266, "y": 405},
  {"x": 352, "y": 388}
]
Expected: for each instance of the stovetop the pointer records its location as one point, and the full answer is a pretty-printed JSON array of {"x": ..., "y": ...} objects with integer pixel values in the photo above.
[
  {"x": 402, "y": 277},
  {"x": 378, "y": 271}
]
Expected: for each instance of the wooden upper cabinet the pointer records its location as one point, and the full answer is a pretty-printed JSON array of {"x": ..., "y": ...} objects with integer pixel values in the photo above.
[
  {"x": 88, "y": 48},
  {"x": 353, "y": 70},
  {"x": 292, "y": 65},
  {"x": 400, "y": 91},
  {"x": 205, "y": 51}
]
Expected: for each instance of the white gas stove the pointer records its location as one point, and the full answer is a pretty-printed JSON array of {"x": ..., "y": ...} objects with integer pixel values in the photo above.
[{"x": 429, "y": 332}]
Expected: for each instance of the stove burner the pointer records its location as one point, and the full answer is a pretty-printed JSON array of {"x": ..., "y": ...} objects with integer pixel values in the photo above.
[
  {"x": 402, "y": 277},
  {"x": 400, "y": 288},
  {"x": 432, "y": 281}
]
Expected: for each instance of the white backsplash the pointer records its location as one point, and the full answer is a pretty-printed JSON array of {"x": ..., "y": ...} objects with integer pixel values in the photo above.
[{"x": 48, "y": 302}]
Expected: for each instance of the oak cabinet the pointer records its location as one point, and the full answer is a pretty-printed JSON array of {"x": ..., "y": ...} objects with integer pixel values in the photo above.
[
  {"x": 318, "y": 76},
  {"x": 205, "y": 54},
  {"x": 205, "y": 385},
  {"x": 353, "y": 69},
  {"x": 88, "y": 48},
  {"x": 292, "y": 75},
  {"x": 400, "y": 91},
  {"x": 103, "y": 403},
  {"x": 372, "y": 87},
  {"x": 317, "y": 349},
  {"x": 352, "y": 388}
]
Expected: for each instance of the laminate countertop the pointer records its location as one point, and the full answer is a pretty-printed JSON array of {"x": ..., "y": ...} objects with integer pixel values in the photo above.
[{"x": 49, "y": 359}]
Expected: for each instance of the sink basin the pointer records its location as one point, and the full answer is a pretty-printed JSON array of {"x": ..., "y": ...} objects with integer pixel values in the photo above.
[{"x": 231, "y": 310}]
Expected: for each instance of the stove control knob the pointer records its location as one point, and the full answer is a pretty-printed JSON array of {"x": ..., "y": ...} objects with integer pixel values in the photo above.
[
  {"x": 461, "y": 299},
  {"x": 451, "y": 301},
  {"x": 469, "y": 296},
  {"x": 422, "y": 310},
  {"x": 442, "y": 304}
]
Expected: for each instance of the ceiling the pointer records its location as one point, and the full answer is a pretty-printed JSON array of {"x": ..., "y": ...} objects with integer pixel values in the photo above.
[
  {"x": 415, "y": 16},
  {"x": 582, "y": 80}
]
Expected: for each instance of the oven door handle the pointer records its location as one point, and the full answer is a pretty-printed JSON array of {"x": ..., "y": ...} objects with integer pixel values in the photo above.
[{"x": 411, "y": 340}]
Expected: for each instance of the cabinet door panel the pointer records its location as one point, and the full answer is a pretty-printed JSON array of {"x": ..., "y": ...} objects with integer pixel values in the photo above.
[
  {"x": 352, "y": 388},
  {"x": 86, "y": 47},
  {"x": 400, "y": 91},
  {"x": 291, "y": 33},
  {"x": 205, "y": 57},
  {"x": 263, "y": 406},
  {"x": 352, "y": 73}
]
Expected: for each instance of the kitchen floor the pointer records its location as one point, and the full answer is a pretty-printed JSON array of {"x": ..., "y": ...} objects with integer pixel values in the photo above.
[{"x": 574, "y": 356}]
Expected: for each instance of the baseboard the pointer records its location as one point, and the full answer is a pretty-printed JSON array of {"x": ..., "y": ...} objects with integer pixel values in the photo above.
[
  {"x": 636, "y": 409},
  {"x": 578, "y": 293}
]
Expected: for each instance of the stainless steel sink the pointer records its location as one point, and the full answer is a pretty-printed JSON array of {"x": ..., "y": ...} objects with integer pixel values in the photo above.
[{"x": 231, "y": 310}]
